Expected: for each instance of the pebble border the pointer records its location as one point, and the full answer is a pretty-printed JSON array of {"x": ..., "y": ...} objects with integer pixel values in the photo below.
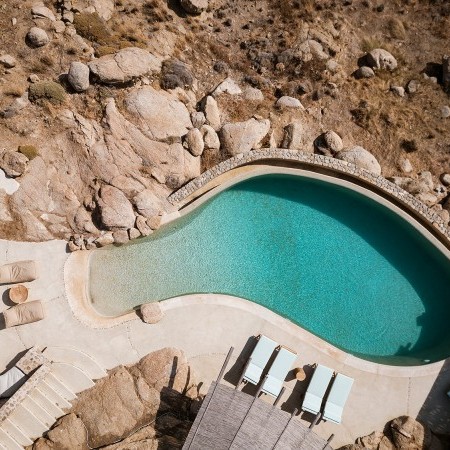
[{"x": 316, "y": 161}]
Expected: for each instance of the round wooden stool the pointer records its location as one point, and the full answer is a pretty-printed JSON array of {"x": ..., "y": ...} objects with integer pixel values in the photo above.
[{"x": 18, "y": 294}]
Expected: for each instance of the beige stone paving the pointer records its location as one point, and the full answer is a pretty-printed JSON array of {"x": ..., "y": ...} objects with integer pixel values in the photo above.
[{"x": 205, "y": 331}]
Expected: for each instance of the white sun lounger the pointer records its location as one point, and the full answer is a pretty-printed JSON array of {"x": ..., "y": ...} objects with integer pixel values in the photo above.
[
  {"x": 316, "y": 389},
  {"x": 259, "y": 359},
  {"x": 278, "y": 371},
  {"x": 337, "y": 397},
  {"x": 11, "y": 381}
]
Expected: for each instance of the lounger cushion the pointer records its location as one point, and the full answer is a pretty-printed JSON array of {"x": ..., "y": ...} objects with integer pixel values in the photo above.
[
  {"x": 337, "y": 398},
  {"x": 23, "y": 313},
  {"x": 333, "y": 413},
  {"x": 18, "y": 272},
  {"x": 11, "y": 381},
  {"x": 253, "y": 373},
  {"x": 272, "y": 386},
  {"x": 311, "y": 403},
  {"x": 316, "y": 389}
]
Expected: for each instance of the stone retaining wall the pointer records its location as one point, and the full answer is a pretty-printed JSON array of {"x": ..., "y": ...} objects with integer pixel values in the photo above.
[{"x": 316, "y": 162}]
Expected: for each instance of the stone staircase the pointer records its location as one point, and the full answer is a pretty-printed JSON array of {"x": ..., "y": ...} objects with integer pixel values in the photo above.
[{"x": 46, "y": 396}]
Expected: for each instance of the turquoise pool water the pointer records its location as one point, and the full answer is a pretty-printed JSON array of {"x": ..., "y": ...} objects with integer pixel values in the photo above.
[{"x": 331, "y": 260}]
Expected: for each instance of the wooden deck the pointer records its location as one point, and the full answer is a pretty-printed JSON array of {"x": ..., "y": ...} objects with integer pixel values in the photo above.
[{"x": 232, "y": 419}]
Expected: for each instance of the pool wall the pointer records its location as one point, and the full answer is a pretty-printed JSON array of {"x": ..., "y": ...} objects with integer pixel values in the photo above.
[{"x": 221, "y": 177}]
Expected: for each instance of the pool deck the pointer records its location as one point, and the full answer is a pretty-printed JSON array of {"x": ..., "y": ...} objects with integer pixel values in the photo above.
[{"x": 205, "y": 330}]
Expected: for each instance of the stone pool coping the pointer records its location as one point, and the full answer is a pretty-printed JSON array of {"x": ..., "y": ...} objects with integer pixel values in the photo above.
[{"x": 316, "y": 164}]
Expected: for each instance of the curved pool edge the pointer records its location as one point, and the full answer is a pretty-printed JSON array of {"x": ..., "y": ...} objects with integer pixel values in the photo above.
[
  {"x": 76, "y": 276},
  {"x": 317, "y": 164}
]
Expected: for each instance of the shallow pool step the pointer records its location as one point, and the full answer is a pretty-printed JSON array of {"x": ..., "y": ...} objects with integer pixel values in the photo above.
[
  {"x": 54, "y": 396},
  {"x": 72, "y": 377},
  {"x": 16, "y": 433},
  {"x": 76, "y": 358},
  {"x": 47, "y": 404},
  {"x": 59, "y": 387},
  {"x": 39, "y": 412},
  {"x": 27, "y": 422},
  {"x": 7, "y": 442}
]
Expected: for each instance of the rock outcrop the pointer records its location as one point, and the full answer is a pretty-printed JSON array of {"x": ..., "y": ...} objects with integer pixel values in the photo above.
[
  {"x": 125, "y": 65},
  {"x": 116, "y": 211},
  {"x": 361, "y": 158},
  {"x": 155, "y": 394},
  {"x": 78, "y": 76},
  {"x": 381, "y": 59},
  {"x": 241, "y": 137}
]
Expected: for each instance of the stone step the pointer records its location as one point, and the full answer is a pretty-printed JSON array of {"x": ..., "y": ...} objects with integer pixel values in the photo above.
[
  {"x": 27, "y": 422},
  {"x": 59, "y": 387},
  {"x": 7, "y": 442},
  {"x": 53, "y": 409},
  {"x": 40, "y": 413},
  {"x": 55, "y": 397},
  {"x": 76, "y": 358},
  {"x": 72, "y": 377},
  {"x": 16, "y": 433}
]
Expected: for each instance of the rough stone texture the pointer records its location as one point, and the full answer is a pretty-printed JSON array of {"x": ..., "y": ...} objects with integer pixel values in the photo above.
[
  {"x": 381, "y": 59},
  {"x": 194, "y": 142},
  {"x": 241, "y": 137},
  {"x": 37, "y": 37},
  {"x": 398, "y": 90},
  {"x": 361, "y": 158},
  {"x": 212, "y": 113},
  {"x": 164, "y": 115},
  {"x": 445, "y": 179},
  {"x": 405, "y": 165},
  {"x": 210, "y": 137},
  {"x": 13, "y": 163},
  {"x": 364, "y": 72},
  {"x": 152, "y": 394},
  {"x": 194, "y": 6},
  {"x": 328, "y": 143},
  {"x": 40, "y": 11},
  {"x": 78, "y": 76},
  {"x": 289, "y": 102},
  {"x": 151, "y": 312},
  {"x": 147, "y": 204},
  {"x": 293, "y": 134},
  {"x": 228, "y": 86},
  {"x": 253, "y": 94},
  {"x": 67, "y": 433},
  {"x": 105, "y": 239},
  {"x": 121, "y": 237},
  {"x": 198, "y": 119},
  {"x": 8, "y": 61},
  {"x": 141, "y": 225},
  {"x": 116, "y": 210},
  {"x": 125, "y": 65}
]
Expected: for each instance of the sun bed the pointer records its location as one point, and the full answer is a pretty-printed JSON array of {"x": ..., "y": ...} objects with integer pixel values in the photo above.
[
  {"x": 316, "y": 389},
  {"x": 278, "y": 371},
  {"x": 258, "y": 359},
  {"x": 337, "y": 397},
  {"x": 10, "y": 381},
  {"x": 24, "y": 313},
  {"x": 18, "y": 272}
]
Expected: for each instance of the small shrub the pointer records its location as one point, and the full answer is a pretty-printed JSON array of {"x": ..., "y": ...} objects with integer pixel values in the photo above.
[
  {"x": 92, "y": 27},
  {"x": 47, "y": 90},
  {"x": 371, "y": 43},
  {"x": 47, "y": 60},
  {"x": 30, "y": 151},
  {"x": 14, "y": 90},
  {"x": 409, "y": 145},
  {"x": 103, "y": 50},
  {"x": 397, "y": 29}
]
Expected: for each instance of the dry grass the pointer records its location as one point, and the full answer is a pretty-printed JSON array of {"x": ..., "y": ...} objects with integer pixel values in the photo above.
[
  {"x": 30, "y": 151},
  {"x": 370, "y": 43},
  {"x": 47, "y": 90},
  {"x": 396, "y": 29},
  {"x": 92, "y": 27},
  {"x": 14, "y": 90}
]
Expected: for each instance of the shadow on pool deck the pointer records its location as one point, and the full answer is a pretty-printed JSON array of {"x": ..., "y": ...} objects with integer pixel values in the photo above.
[{"x": 435, "y": 411}]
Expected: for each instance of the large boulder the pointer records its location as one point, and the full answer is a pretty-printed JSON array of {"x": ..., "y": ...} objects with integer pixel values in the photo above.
[
  {"x": 241, "y": 137},
  {"x": 212, "y": 113},
  {"x": 115, "y": 209},
  {"x": 124, "y": 66},
  {"x": 13, "y": 163},
  {"x": 194, "y": 6},
  {"x": 78, "y": 76},
  {"x": 37, "y": 37},
  {"x": 39, "y": 11},
  {"x": 381, "y": 59},
  {"x": 328, "y": 143},
  {"x": 163, "y": 114},
  {"x": 147, "y": 204},
  {"x": 361, "y": 158}
]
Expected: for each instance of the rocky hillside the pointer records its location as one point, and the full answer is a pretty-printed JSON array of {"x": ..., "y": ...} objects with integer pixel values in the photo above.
[
  {"x": 108, "y": 106},
  {"x": 149, "y": 405}
]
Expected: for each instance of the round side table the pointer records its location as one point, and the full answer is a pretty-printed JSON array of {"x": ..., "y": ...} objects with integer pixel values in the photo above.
[
  {"x": 299, "y": 374},
  {"x": 18, "y": 294}
]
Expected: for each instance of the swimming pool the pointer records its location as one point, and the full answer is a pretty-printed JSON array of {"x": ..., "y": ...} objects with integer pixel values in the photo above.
[{"x": 328, "y": 258}]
